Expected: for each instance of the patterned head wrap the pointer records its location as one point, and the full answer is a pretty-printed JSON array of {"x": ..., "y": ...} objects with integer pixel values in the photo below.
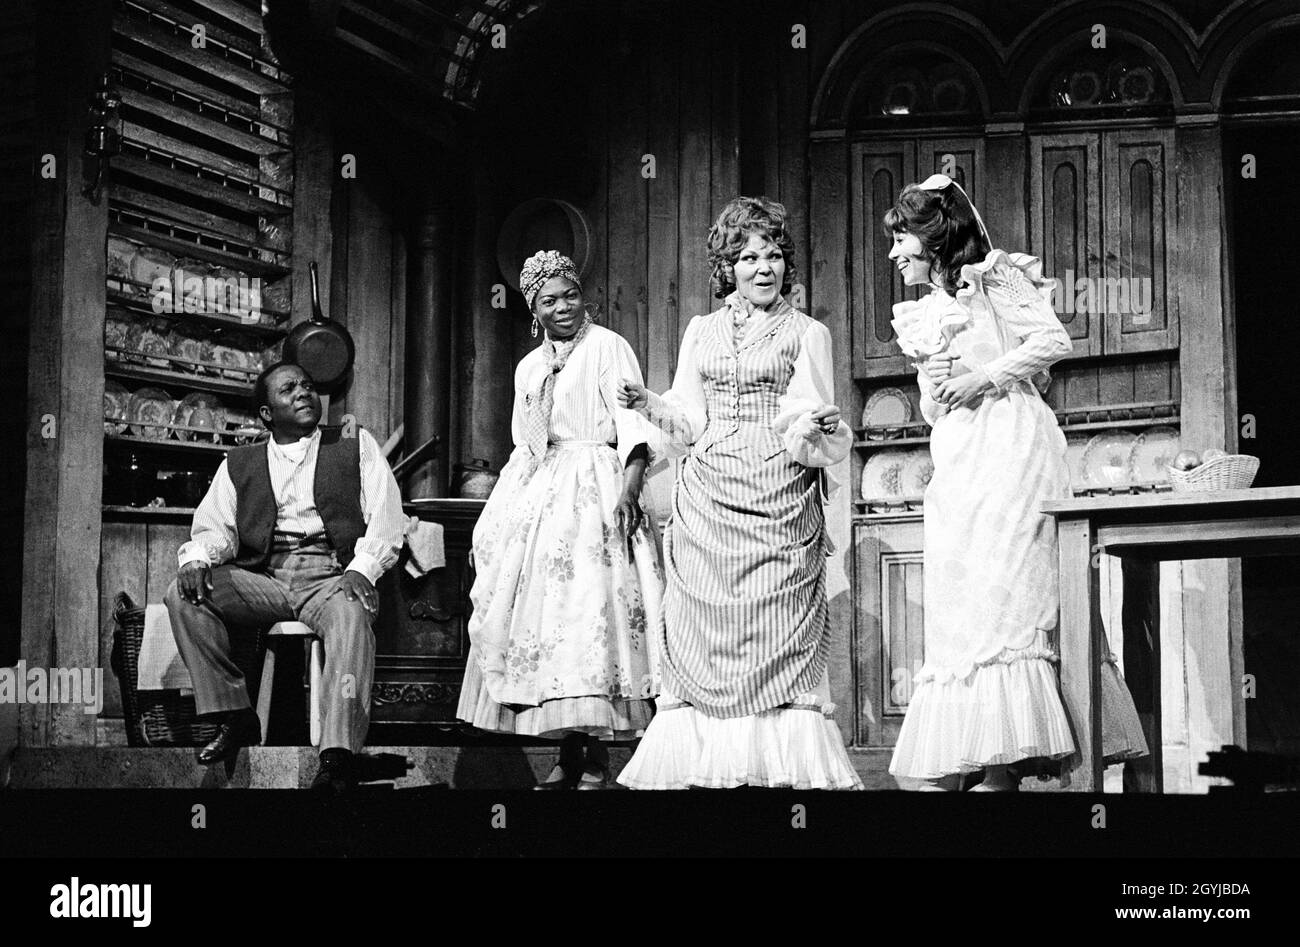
[{"x": 542, "y": 266}]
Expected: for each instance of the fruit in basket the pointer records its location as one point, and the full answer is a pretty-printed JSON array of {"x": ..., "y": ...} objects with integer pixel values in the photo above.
[
  {"x": 1213, "y": 453},
  {"x": 1186, "y": 460}
]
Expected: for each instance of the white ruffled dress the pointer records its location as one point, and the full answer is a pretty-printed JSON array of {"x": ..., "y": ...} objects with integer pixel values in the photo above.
[
  {"x": 987, "y": 693},
  {"x": 561, "y": 635}
]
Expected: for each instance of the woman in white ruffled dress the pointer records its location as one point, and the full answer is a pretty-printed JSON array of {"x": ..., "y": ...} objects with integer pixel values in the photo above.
[
  {"x": 745, "y": 634},
  {"x": 986, "y": 698},
  {"x": 568, "y": 586}
]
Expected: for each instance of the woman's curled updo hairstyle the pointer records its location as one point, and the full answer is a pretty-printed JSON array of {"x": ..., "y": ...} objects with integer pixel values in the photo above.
[
  {"x": 729, "y": 234},
  {"x": 945, "y": 223}
]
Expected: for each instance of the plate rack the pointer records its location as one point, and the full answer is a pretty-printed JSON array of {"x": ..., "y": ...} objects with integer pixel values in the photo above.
[
  {"x": 1139, "y": 415},
  {"x": 200, "y": 212}
]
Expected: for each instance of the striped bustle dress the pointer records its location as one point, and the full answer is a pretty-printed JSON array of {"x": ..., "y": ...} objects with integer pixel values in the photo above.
[{"x": 745, "y": 634}]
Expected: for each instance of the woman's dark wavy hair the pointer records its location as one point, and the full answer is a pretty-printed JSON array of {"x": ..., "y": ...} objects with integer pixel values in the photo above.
[
  {"x": 729, "y": 234},
  {"x": 944, "y": 222}
]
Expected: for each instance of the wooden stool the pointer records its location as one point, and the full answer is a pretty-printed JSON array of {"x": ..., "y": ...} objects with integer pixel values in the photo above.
[{"x": 315, "y": 655}]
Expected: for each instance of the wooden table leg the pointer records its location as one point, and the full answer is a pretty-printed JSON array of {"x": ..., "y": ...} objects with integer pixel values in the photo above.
[
  {"x": 1081, "y": 641},
  {"x": 1141, "y": 611}
]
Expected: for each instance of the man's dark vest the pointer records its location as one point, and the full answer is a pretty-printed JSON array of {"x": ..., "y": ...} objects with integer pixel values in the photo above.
[{"x": 336, "y": 488}]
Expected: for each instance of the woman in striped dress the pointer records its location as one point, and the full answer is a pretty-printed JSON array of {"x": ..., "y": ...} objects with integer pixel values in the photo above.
[
  {"x": 986, "y": 697},
  {"x": 568, "y": 576},
  {"x": 745, "y": 633}
]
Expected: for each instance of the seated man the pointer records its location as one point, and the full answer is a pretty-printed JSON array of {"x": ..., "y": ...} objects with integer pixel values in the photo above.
[{"x": 300, "y": 527}]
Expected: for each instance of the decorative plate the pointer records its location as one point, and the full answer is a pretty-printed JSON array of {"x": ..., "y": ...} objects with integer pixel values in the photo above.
[
  {"x": 116, "y": 404},
  {"x": 149, "y": 263},
  {"x": 188, "y": 348},
  {"x": 120, "y": 254},
  {"x": 200, "y": 409},
  {"x": 1075, "y": 445},
  {"x": 150, "y": 411},
  {"x": 887, "y": 407},
  {"x": 1106, "y": 459},
  {"x": 1153, "y": 452},
  {"x": 115, "y": 333},
  {"x": 883, "y": 474},
  {"x": 917, "y": 472},
  {"x": 154, "y": 344},
  {"x": 232, "y": 359},
  {"x": 131, "y": 342}
]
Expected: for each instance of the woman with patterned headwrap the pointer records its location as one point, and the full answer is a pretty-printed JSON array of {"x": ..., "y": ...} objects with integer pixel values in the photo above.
[{"x": 568, "y": 576}]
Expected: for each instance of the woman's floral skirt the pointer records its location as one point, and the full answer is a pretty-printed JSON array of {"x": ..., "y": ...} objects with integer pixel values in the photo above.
[{"x": 562, "y": 602}]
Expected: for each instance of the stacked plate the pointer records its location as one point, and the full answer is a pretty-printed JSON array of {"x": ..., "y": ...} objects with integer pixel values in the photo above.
[
  {"x": 897, "y": 474},
  {"x": 1119, "y": 458},
  {"x": 886, "y": 408}
]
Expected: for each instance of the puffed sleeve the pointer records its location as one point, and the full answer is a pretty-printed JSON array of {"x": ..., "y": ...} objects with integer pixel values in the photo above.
[
  {"x": 618, "y": 362},
  {"x": 525, "y": 373},
  {"x": 1025, "y": 310},
  {"x": 681, "y": 413},
  {"x": 810, "y": 387}
]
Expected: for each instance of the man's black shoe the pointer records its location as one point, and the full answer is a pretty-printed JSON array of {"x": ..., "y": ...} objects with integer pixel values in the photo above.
[
  {"x": 240, "y": 728},
  {"x": 337, "y": 771}
]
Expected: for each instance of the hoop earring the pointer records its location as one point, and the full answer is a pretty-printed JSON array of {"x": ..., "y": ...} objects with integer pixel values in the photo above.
[{"x": 534, "y": 327}]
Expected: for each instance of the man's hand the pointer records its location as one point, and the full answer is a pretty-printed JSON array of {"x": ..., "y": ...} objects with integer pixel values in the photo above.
[
  {"x": 964, "y": 390},
  {"x": 631, "y": 395},
  {"x": 194, "y": 582},
  {"x": 354, "y": 585},
  {"x": 627, "y": 515}
]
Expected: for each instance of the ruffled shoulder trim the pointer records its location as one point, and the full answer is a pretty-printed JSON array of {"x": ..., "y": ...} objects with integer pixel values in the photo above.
[
  {"x": 1017, "y": 274},
  {"x": 924, "y": 326}
]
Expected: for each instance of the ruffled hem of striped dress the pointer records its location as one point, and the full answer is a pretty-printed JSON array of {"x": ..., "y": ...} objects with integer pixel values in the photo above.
[
  {"x": 796, "y": 748},
  {"x": 610, "y": 718}
]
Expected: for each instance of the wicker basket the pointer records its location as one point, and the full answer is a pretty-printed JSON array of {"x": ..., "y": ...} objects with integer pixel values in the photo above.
[
  {"x": 162, "y": 718},
  {"x": 1230, "y": 472}
]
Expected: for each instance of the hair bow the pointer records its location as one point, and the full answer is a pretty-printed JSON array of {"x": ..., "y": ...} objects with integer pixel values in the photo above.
[{"x": 937, "y": 182}]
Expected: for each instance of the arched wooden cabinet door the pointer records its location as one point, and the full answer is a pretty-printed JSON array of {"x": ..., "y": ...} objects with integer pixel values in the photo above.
[
  {"x": 1065, "y": 225},
  {"x": 1101, "y": 219},
  {"x": 881, "y": 168},
  {"x": 1137, "y": 177}
]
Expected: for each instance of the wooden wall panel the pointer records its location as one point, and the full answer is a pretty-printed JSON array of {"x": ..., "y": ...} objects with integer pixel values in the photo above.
[
  {"x": 65, "y": 377},
  {"x": 369, "y": 297},
  {"x": 1210, "y": 592},
  {"x": 694, "y": 180},
  {"x": 793, "y": 79},
  {"x": 628, "y": 194},
  {"x": 663, "y": 303},
  {"x": 597, "y": 136}
]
